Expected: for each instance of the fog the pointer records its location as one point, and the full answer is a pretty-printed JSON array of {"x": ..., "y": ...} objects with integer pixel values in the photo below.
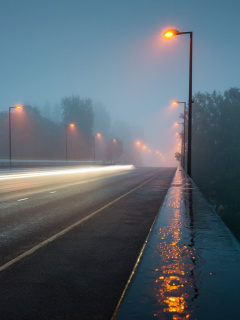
[{"x": 114, "y": 54}]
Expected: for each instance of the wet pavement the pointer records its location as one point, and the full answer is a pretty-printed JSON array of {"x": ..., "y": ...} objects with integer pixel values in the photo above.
[
  {"x": 190, "y": 268},
  {"x": 68, "y": 255}
]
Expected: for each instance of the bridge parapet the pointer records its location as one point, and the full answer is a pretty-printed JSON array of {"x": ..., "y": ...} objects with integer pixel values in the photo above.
[{"x": 189, "y": 268}]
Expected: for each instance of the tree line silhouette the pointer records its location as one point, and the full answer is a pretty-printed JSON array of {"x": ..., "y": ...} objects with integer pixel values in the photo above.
[
  {"x": 43, "y": 137},
  {"x": 216, "y": 152}
]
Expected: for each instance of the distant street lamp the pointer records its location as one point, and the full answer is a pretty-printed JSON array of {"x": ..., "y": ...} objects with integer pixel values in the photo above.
[
  {"x": 10, "y": 133},
  {"x": 184, "y": 132},
  {"x": 138, "y": 143},
  {"x": 99, "y": 136},
  {"x": 70, "y": 125},
  {"x": 112, "y": 149},
  {"x": 168, "y": 34}
]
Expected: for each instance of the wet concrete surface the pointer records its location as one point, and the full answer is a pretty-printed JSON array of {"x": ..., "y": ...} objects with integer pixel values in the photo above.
[
  {"x": 82, "y": 274},
  {"x": 190, "y": 266}
]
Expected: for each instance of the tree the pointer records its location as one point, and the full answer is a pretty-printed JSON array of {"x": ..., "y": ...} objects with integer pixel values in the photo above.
[
  {"x": 33, "y": 136},
  {"x": 4, "y": 135},
  {"x": 178, "y": 156},
  {"x": 102, "y": 120},
  {"x": 129, "y": 135},
  {"x": 215, "y": 147}
]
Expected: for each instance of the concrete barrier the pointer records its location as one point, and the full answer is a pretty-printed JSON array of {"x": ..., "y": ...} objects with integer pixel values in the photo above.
[{"x": 189, "y": 268}]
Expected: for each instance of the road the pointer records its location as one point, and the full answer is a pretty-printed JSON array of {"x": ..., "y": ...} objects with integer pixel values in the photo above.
[{"x": 69, "y": 239}]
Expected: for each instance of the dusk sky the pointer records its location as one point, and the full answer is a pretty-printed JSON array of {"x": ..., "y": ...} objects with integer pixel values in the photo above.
[{"x": 114, "y": 52}]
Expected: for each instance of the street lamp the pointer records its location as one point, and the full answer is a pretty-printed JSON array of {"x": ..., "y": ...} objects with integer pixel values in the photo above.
[
  {"x": 138, "y": 143},
  {"x": 184, "y": 131},
  {"x": 99, "y": 136},
  {"x": 70, "y": 125},
  {"x": 168, "y": 34},
  {"x": 10, "y": 134},
  {"x": 113, "y": 148}
]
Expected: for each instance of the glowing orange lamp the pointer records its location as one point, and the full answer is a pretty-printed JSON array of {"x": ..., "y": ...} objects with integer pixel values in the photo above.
[{"x": 170, "y": 33}]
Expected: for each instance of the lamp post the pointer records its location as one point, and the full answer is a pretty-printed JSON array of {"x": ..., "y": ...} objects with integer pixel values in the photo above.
[
  {"x": 184, "y": 131},
  {"x": 98, "y": 135},
  {"x": 70, "y": 125},
  {"x": 168, "y": 34},
  {"x": 10, "y": 133}
]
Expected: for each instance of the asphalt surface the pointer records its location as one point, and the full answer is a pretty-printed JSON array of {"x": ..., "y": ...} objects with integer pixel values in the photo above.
[{"x": 100, "y": 220}]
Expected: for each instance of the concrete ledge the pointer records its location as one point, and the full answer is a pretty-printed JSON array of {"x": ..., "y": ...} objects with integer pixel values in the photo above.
[{"x": 190, "y": 265}]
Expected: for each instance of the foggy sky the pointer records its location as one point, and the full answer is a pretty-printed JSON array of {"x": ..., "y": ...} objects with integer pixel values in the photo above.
[{"x": 114, "y": 52}]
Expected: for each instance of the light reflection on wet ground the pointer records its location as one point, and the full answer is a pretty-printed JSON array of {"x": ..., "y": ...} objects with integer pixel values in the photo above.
[
  {"x": 189, "y": 269},
  {"x": 175, "y": 287}
]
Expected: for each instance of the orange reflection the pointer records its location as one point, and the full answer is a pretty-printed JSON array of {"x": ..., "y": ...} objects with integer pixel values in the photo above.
[{"x": 174, "y": 284}]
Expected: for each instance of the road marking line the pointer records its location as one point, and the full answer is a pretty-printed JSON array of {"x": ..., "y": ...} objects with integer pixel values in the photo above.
[
  {"x": 52, "y": 191},
  {"x": 57, "y": 235},
  {"x": 133, "y": 271},
  {"x": 22, "y": 199}
]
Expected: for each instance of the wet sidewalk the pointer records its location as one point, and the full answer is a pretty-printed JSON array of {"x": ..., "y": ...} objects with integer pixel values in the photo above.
[{"x": 190, "y": 268}]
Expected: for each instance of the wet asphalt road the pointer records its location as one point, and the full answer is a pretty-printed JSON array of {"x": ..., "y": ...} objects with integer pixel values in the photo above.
[{"x": 82, "y": 273}]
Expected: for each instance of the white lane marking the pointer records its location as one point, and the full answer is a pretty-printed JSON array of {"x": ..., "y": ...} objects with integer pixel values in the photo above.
[
  {"x": 65, "y": 186},
  {"x": 57, "y": 235},
  {"x": 23, "y": 199},
  {"x": 70, "y": 171},
  {"x": 133, "y": 271}
]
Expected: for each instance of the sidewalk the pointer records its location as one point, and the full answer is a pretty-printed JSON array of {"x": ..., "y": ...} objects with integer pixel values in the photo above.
[{"x": 190, "y": 268}]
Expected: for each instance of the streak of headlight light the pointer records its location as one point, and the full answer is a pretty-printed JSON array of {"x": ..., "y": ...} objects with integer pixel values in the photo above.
[{"x": 70, "y": 171}]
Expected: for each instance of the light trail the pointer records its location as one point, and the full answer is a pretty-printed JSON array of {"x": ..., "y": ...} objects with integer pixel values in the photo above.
[{"x": 69, "y": 171}]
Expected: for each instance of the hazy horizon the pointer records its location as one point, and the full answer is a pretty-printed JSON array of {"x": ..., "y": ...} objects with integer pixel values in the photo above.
[{"x": 115, "y": 54}]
